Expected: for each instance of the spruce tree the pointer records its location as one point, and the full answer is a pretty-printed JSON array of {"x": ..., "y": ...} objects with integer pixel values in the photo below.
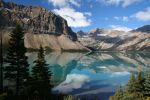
[
  {"x": 17, "y": 65},
  {"x": 140, "y": 83},
  {"x": 147, "y": 84},
  {"x": 1, "y": 63},
  {"x": 41, "y": 76},
  {"x": 132, "y": 91},
  {"x": 130, "y": 88},
  {"x": 119, "y": 95}
]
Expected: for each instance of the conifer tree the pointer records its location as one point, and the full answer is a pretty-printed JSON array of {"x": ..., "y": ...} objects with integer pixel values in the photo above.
[
  {"x": 119, "y": 95},
  {"x": 1, "y": 63},
  {"x": 41, "y": 75},
  {"x": 130, "y": 88},
  {"x": 132, "y": 91},
  {"x": 17, "y": 65},
  {"x": 69, "y": 97},
  {"x": 140, "y": 83},
  {"x": 133, "y": 88},
  {"x": 147, "y": 84}
]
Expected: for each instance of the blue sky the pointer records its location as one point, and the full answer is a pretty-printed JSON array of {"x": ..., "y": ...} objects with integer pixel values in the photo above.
[{"x": 89, "y": 14}]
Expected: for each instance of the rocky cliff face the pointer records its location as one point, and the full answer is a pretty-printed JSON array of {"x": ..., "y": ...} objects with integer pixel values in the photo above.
[
  {"x": 41, "y": 26},
  {"x": 107, "y": 39}
]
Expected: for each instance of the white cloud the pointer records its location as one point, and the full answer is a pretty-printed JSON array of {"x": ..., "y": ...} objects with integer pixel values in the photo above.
[
  {"x": 124, "y": 18},
  {"x": 74, "y": 18},
  {"x": 88, "y": 13},
  {"x": 73, "y": 81},
  {"x": 120, "y": 28},
  {"x": 143, "y": 15},
  {"x": 117, "y": 18},
  {"x": 123, "y": 3},
  {"x": 64, "y": 3}
]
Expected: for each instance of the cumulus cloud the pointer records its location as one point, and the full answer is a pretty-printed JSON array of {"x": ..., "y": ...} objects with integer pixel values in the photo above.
[
  {"x": 74, "y": 18},
  {"x": 123, "y": 3},
  {"x": 62, "y": 3},
  {"x": 88, "y": 13},
  {"x": 143, "y": 15},
  {"x": 73, "y": 81},
  {"x": 120, "y": 28}
]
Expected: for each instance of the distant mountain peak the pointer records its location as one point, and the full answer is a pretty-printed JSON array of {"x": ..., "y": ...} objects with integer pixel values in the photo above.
[
  {"x": 109, "y": 39},
  {"x": 145, "y": 28},
  {"x": 95, "y": 30}
]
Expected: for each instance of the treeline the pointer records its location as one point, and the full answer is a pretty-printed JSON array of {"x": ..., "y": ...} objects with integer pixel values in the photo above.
[
  {"x": 20, "y": 83},
  {"x": 137, "y": 88},
  {"x": 36, "y": 84}
]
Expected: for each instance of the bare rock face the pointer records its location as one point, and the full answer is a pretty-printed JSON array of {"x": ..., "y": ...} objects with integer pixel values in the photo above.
[
  {"x": 58, "y": 43},
  {"x": 112, "y": 40},
  {"x": 41, "y": 26}
]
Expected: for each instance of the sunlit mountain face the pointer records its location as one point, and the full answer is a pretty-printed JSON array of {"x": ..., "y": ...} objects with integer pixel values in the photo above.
[
  {"x": 93, "y": 75},
  {"x": 91, "y": 47},
  {"x": 90, "y": 14}
]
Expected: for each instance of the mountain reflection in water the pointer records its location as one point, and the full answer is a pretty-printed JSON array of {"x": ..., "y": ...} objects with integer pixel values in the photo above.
[{"x": 97, "y": 74}]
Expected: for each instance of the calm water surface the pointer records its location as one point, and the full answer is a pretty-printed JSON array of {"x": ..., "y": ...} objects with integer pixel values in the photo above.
[{"x": 92, "y": 75}]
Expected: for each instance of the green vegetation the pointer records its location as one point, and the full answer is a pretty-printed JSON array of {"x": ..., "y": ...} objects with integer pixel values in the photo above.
[
  {"x": 137, "y": 88},
  {"x": 41, "y": 76},
  {"x": 17, "y": 65},
  {"x": 25, "y": 86},
  {"x": 147, "y": 84},
  {"x": 2, "y": 96},
  {"x": 37, "y": 85},
  {"x": 70, "y": 98}
]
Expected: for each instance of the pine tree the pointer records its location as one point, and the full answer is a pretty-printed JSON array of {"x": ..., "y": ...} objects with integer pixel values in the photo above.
[
  {"x": 140, "y": 83},
  {"x": 119, "y": 95},
  {"x": 69, "y": 97},
  {"x": 133, "y": 89},
  {"x": 1, "y": 63},
  {"x": 41, "y": 75},
  {"x": 17, "y": 65},
  {"x": 131, "y": 84},
  {"x": 147, "y": 84}
]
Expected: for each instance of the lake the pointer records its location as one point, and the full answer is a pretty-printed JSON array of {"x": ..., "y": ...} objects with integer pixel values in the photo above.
[{"x": 95, "y": 75}]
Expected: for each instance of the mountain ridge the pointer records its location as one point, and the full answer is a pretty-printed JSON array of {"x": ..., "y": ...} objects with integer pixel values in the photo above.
[
  {"x": 112, "y": 40},
  {"x": 42, "y": 27},
  {"x": 145, "y": 28}
]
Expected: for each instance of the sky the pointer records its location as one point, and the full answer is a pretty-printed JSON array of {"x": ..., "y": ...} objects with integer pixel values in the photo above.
[{"x": 90, "y": 14}]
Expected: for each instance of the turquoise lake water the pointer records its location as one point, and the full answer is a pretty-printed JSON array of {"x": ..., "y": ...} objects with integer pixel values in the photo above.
[{"x": 92, "y": 75}]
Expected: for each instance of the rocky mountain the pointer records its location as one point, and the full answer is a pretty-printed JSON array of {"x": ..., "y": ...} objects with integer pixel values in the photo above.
[
  {"x": 145, "y": 29},
  {"x": 81, "y": 34},
  {"x": 42, "y": 27},
  {"x": 112, "y": 40}
]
